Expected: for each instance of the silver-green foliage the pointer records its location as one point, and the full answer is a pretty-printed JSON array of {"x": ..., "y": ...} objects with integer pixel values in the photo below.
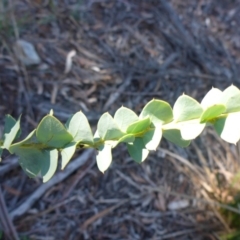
[{"x": 39, "y": 151}]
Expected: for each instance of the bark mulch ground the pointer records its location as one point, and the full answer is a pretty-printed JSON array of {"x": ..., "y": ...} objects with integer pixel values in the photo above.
[{"x": 126, "y": 53}]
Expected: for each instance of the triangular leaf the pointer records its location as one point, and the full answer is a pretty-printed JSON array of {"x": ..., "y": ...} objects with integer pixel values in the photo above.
[
  {"x": 104, "y": 157},
  {"x": 231, "y": 99},
  {"x": 9, "y": 124},
  {"x": 186, "y": 108},
  {"x": 158, "y": 111},
  {"x": 49, "y": 164},
  {"x": 79, "y": 128},
  {"x": 212, "y": 112},
  {"x": 137, "y": 150},
  {"x": 67, "y": 153},
  {"x": 12, "y": 134},
  {"x": 51, "y": 132},
  {"x": 190, "y": 129},
  {"x": 152, "y": 138},
  {"x": 33, "y": 161},
  {"x": 228, "y": 127},
  {"x": 174, "y": 136},
  {"x": 30, "y": 159},
  {"x": 139, "y": 126},
  {"x": 124, "y": 117},
  {"x": 212, "y": 98},
  {"x": 107, "y": 128},
  {"x": 96, "y": 136}
]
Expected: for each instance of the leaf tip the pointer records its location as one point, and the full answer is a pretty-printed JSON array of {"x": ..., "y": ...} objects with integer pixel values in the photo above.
[{"x": 51, "y": 112}]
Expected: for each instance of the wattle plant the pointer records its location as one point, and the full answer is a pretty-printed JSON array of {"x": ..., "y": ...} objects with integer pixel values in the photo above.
[{"x": 39, "y": 151}]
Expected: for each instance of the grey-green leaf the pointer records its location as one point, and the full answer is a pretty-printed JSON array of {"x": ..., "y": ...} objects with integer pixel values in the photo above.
[
  {"x": 108, "y": 129},
  {"x": 212, "y": 112},
  {"x": 9, "y": 123},
  {"x": 213, "y": 97},
  {"x": 49, "y": 164},
  {"x": 104, "y": 157},
  {"x": 112, "y": 143},
  {"x": 137, "y": 150},
  {"x": 67, "y": 153},
  {"x": 152, "y": 138},
  {"x": 128, "y": 138},
  {"x": 51, "y": 132},
  {"x": 158, "y": 111},
  {"x": 228, "y": 127},
  {"x": 79, "y": 128},
  {"x": 186, "y": 108},
  {"x": 30, "y": 159},
  {"x": 190, "y": 129},
  {"x": 12, "y": 134},
  {"x": 124, "y": 117},
  {"x": 30, "y": 139},
  {"x": 139, "y": 126},
  {"x": 174, "y": 136},
  {"x": 231, "y": 99}
]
